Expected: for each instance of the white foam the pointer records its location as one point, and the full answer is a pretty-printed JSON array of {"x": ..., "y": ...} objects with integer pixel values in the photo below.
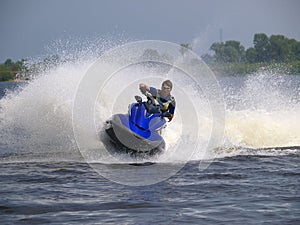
[{"x": 38, "y": 117}]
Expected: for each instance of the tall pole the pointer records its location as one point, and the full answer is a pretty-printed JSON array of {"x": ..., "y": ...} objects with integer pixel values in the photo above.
[{"x": 221, "y": 35}]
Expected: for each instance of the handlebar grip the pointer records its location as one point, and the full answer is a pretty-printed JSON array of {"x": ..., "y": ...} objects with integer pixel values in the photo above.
[
  {"x": 143, "y": 90},
  {"x": 166, "y": 114}
]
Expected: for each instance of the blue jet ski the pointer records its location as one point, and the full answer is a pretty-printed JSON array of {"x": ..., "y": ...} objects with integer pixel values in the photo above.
[{"x": 139, "y": 131}]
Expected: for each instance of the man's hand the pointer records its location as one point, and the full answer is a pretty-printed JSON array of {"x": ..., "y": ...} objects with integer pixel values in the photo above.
[
  {"x": 143, "y": 90},
  {"x": 170, "y": 117},
  {"x": 144, "y": 86}
]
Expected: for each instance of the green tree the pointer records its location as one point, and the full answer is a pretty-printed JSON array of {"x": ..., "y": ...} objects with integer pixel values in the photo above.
[
  {"x": 184, "y": 48},
  {"x": 218, "y": 48},
  {"x": 207, "y": 58},
  {"x": 296, "y": 51},
  {"x": 262, "y": 47},
  {"x": 238, "y": 47},
  {"x": 251, "y": 55},
  {"x": 280, "y": 48},
  {"x": 5, "y": 73},
  {"x": 230, "y": 54},
  {"x": 151, "y": 54},
  {"x": 276, "y": 48},
  {"x": 231, "y": 51},
  {"x": 9, "y": 69},
  {"x": 8, "y": 63}
]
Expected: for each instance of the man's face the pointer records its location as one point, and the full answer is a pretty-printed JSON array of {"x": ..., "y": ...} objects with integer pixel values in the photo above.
[{"x": 165, "y": 89}]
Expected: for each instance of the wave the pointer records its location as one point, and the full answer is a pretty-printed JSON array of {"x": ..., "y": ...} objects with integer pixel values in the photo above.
[{"x": 262, "y": 111}]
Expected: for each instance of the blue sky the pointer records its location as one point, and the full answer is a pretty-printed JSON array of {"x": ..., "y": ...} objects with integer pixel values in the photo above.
[{"x": 27, "y": 26}]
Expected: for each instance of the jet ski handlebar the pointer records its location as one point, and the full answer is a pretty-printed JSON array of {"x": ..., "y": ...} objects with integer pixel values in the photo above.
[
  {"x": 149, "y": 96},
  {"x": 152, "y": 105},
  {"x": 153, "y": 100}
]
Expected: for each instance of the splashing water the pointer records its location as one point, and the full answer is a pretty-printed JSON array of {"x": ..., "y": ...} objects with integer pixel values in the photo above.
[{"x": 262, "y": 111}]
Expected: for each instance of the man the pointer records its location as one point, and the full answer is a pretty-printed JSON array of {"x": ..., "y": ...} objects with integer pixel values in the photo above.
[{"x": 163, "y": 96}]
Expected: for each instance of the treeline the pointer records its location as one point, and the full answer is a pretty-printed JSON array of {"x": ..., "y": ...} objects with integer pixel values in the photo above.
[
  {"x": 276, "y": 48},
  {"x": 9, "y": 70},
  {"x": 228, "y": 58}
]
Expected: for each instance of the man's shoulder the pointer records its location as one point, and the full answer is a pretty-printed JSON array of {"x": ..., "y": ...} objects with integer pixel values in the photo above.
[
  {"x": 172, "y": 99},
  {"x": 153, "y": 91}
]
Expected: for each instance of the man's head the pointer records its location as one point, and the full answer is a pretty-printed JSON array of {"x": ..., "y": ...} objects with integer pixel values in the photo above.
[{"x": 166, "y": 87}]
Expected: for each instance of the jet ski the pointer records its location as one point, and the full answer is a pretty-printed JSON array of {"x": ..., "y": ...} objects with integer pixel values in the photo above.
[{"x": 139, "y": 131}]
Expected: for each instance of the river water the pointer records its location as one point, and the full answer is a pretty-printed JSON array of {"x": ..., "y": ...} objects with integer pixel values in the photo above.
[{"x": 253, "y": 177}]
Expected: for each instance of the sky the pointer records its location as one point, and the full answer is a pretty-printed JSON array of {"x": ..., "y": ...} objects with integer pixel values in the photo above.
[{"x": 28, "y": 26}]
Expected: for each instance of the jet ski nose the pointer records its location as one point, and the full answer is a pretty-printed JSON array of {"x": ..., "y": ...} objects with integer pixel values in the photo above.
[{"x": 107, "y": 124}]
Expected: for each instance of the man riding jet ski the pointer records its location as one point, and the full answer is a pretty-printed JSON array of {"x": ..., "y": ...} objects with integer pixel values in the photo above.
[
  {"x": 139, "y": 130},
  {"x": 163, "y": 96}
]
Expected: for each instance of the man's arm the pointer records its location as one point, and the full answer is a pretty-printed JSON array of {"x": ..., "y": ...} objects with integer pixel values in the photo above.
[
  {"x": 172, "y": 110},
  {"x": 153, "y": 91},
  {"x": 144, "y": 86}
]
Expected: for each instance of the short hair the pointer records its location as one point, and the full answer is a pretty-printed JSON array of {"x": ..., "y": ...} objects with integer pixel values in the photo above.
[{"x": 168, "y": 83}]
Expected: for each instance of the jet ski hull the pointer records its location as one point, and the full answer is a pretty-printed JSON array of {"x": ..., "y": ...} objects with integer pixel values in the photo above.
[{"x": 131, "y": 138}]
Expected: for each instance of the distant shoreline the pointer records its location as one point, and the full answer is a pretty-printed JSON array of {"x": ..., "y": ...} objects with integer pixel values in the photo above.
[
  {"x": 220, "y": 69},
  {"x": 244, "y": 69},
  {"x": 15, "y": 81}
]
